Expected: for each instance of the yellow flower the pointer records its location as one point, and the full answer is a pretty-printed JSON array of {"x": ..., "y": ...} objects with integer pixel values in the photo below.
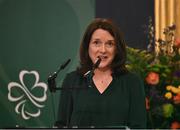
[
  {"x": 169, "y": 87},
  {"x": 173, "y": 89},
  {"x": 168, "y": 95}
]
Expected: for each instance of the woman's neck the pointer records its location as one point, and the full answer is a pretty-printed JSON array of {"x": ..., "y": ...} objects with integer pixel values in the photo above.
[
  {"x": 102, "y": 72},
  {"x": 102, "y": 79}
]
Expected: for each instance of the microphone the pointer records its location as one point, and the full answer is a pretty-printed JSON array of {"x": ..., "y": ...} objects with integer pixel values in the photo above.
[
  {"x": 54, "y": 75},
  {"x": 93, "y": 68},
  {"x": 97, "y": 63},
  {"x": 90, "y": 73},
  {"x": 51, "y": 78}
]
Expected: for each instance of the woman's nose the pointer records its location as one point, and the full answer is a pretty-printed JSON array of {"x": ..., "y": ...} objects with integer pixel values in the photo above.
[{"x": 103, "y": 48}]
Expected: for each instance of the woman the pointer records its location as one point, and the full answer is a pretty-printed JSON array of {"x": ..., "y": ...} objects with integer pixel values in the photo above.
[{"x": 112, "y": 96}]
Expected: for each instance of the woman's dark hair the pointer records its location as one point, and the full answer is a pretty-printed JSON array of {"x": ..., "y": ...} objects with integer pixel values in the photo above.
[{"x": 118, "y": 63}]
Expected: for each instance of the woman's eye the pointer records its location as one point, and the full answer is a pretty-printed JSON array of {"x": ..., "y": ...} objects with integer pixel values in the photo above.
[
  {"x": 97, "y": 43},
  {"x": 110, "y": 44}
]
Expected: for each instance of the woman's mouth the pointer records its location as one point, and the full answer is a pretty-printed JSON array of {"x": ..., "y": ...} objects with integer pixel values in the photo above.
[{"x": 103, "y": 57}]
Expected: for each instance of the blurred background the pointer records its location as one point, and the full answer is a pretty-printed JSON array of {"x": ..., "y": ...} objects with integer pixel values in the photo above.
[{"x": 37, "y": 36}]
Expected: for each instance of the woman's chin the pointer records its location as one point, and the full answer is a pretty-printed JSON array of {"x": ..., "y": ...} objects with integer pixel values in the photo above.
[{"x": 103, "y": 67}]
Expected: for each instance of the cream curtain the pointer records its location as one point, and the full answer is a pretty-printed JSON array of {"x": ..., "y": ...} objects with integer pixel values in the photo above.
[{"x": 167, "y": 13}]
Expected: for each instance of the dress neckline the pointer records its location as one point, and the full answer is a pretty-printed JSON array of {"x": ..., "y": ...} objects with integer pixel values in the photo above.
[{"x": 108, "y": 88}]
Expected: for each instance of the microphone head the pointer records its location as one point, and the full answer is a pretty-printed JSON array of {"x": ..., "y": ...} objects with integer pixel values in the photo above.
[
  {"x": 65, "y": 64},
  {"x": 97, "y": 63},
  {"x": 91, "y": 72},
  {"x": 52, "y": 78}
]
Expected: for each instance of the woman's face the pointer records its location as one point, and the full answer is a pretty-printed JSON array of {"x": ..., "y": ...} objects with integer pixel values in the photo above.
[{"x": 102, "y": 44}]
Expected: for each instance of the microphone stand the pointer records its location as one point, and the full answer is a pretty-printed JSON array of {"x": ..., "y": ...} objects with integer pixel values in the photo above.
[
  {"x": 52, "y": 82},
  {"x": 52, "y": 78}
]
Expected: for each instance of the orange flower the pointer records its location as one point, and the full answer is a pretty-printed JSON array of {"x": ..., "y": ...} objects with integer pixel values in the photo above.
[
  {"x": 177, "y": 99},
  {"x": 177, "y": 42},
  {"x": 152, "y": 78},
  {"x": 175, "y": 125}
]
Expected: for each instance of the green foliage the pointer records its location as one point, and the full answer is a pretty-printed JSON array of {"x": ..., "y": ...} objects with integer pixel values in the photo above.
[
  {"x": 160, "y": 72},
  {"x": 138, "y": 60},
  {"x": 142, "y": 62}
]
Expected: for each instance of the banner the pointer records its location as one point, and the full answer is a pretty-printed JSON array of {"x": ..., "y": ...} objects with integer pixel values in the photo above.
[{"x": 36, "y": 36}]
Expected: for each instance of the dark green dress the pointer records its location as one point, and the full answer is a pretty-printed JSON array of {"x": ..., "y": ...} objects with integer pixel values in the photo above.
[{"x": 121, "y": 104}]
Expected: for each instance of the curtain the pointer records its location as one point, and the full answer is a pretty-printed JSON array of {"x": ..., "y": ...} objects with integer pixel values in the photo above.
[{"x": 166, "y": 14}]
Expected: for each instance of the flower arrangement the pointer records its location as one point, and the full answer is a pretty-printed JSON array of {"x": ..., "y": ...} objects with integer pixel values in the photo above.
[{"x": 161, "y": 74}]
